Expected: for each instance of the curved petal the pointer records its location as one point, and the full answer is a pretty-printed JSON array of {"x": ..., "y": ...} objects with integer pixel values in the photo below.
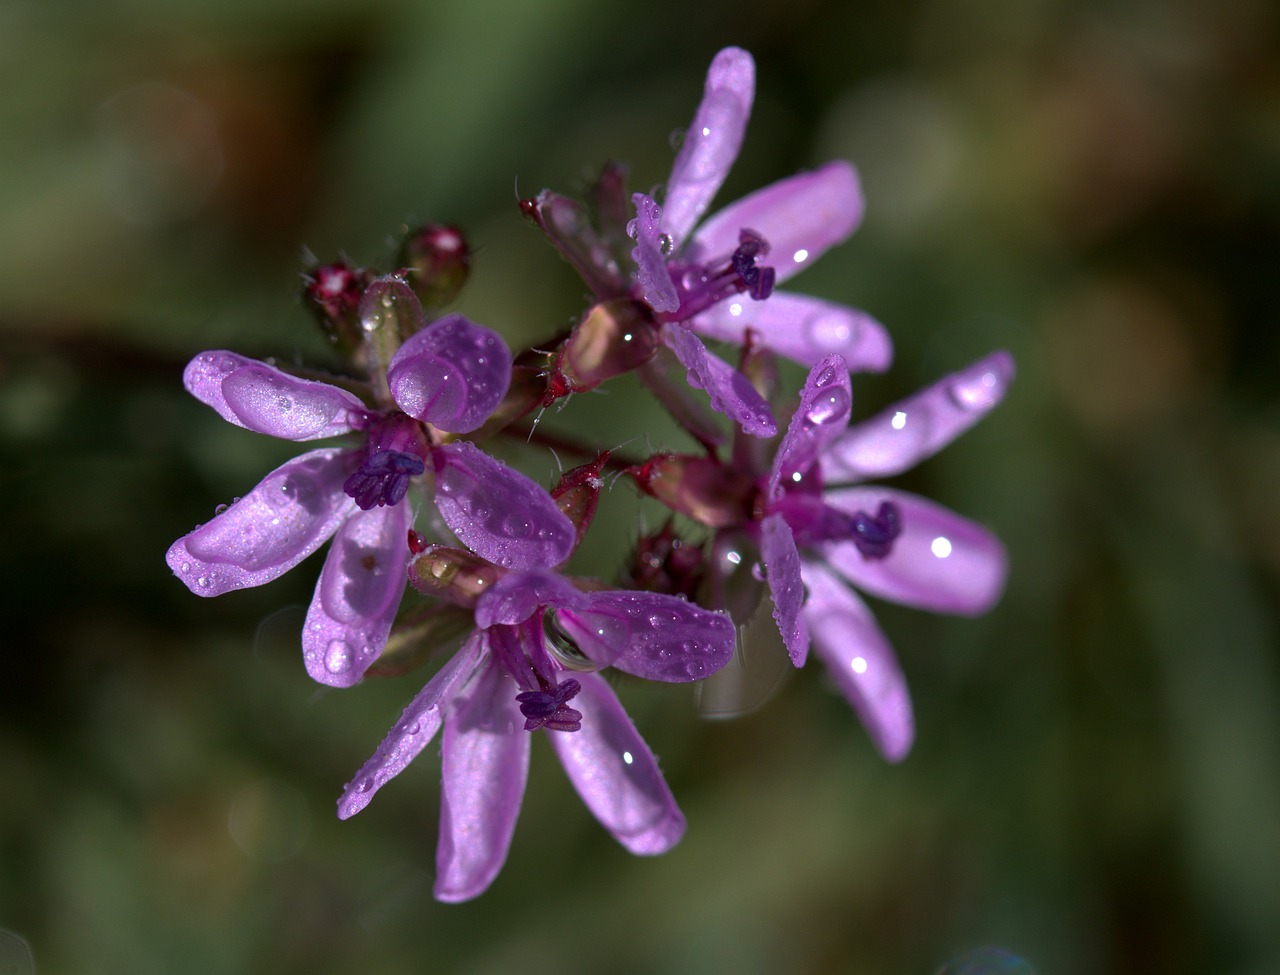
[
  {"x": 499, "y": 513},
  {"x": 782, "y": 571},
  {"x": 616, "y": 775},
  {"x": 413, "y": 732},
  {"x": 517, "y": 595},
  {"x": 918, "y": 427},
  {"x": 485, "y": 762},
  {"x": 730, "y": 391},
  {"x": 259, "y": 397},
  {"x": 800, "y": 218},
  {"x": 860, "y": 661},
  {"x": 821, "y": 417},
  {"x": 800, "y": 328},
  {"x": 711, "y": 142},
  {"x": 652, "y": 276},
  {"x": 292, "y": 512},
  {"x": 357, "y": 596},
  {"x": 940, "y": 561},
  {"x": 452, "y": 374},
  {"x": 650, "y": 635}
]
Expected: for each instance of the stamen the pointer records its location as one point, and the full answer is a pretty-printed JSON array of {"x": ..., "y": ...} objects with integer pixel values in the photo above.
[
  {"x": 395, "y": 454},
  {"x": 758, "y": 281},
  {"x": 702, "y": 285},
  {"x": 874, "y": 536},
  {"x": 549, "y": 708}
]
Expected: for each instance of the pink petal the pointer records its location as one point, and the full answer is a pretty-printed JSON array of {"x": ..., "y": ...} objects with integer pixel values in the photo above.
[
  {"x": 801, "y": 217},
  {"x": 616, "y": 775},
  {"x": 259, "y": 397},
  {"x": 357, "y": 596},
  {"x": 452, "y": 374},
  {"x": 517, "y": 595},
  {"x": 860, "y": 661},
  {"x": 413, "y": 732},
  {"x": 652, "y": 276},
  {"x": 918, "y": 427},
  {"x": 485, "y": 763},
  {"x": 711, "y": 142},
  {"x": 941, "y": 561},
  {"x": 291, "y": 513},
  {"x": 801, "y": 328},
  {"x": 821, "y": 417},
  {"x": 730, "y": 391},
  {"x": 782, "y": 570},
  {"x": 499, "y": 513},
  {"x": 650, "y": 635}
]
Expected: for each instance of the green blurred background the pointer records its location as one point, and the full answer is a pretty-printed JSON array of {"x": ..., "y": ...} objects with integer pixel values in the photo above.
[{"x": 1093, "y": 185}]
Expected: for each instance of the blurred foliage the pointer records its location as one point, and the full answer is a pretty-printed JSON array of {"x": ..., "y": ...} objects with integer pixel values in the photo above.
[{"x": 1093, "y": 185}]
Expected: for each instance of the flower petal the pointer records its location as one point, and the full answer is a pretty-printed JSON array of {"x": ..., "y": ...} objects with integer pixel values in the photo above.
[
  {"x": 782, "y": 570},
  {"x": 499, "y": 513},
  {"x": 821, "y": 417},
  {"x": 650, "y": 635},
  {"x": 485, "y": 763},
  {"x": 616, "y": 775},
  {"x": 711, "y": 142},
  {"x": 517, "y": 595},
  {"x": 801, "y": 328},
  {"x": 918, "y": 427},
  {"x": 259, "y": 397},
  {"x": 291, "y": 513},
  {"x": 730, "y": 391},
  {"x": 800, "y": 217},
  {"x": 413, "y": 732},
  {"x": 357, "y": 596},
  {"x": 452, "y": 374},
  {"x": 860, "y": 661},
  {"x": 941, "y": 561},
  {"x": 652, "y": 276}
]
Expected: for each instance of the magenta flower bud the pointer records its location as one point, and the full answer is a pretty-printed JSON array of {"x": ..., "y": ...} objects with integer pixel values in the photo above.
[
  {"x": 437, "y": 261},
  {"x": 578, "y": 493},
  {"x": 613, "y": 338},
  {"x": 452, "y": 573},
  {"x": 332, "y": 293},
  {"x": 699, "y": 487}
]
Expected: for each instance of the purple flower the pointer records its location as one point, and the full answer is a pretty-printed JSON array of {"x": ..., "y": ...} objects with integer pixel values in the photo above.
[
  {"x": 898, "y": 546},
  {"x": 510, "y": 678},
  {"x": 720, "y": 281},
  {"x": 448, "y": 377}
]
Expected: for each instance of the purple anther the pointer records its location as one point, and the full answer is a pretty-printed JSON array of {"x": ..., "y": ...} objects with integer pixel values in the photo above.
[
  {"x": 549, "y": 709},
  {"x": 874, "y": 536},
  {"x": 383, "y": 478},
  {"x": 758, "y": 281}
]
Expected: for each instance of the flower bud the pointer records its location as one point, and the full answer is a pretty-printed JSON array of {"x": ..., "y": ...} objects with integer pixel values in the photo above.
[
  {"x": 437, "y": 261},
  {"x": 614, "y": 337},
  {"x": 578, "y": 493},
  {"x": 700, "y": 487},
  {"x": 332, "y": 293},
  {"x": 453, "y": 574},
  {"x": 663, "y": 562}
]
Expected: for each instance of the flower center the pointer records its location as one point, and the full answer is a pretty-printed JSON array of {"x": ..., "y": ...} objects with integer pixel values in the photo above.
[
  {"x": 701, "y": 286},
  {"x": 549, "y": 708},
  {"x": 394, "y": 455}
]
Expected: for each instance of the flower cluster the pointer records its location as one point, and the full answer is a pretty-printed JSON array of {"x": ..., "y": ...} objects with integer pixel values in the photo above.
[{"x": 438, "y": 545}]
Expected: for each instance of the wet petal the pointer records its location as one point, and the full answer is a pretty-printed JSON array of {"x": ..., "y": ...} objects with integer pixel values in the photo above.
[
  {"x": 940, "y": 561},
  {"x": 616, "y": 775},
  {"x": 801, "y": 217},
  {"x": 291, "y": 513},
  {"x": 517, "y": 595},
  {"x": 485, "y": 761},
  {"x": 918, "y": 427},
  {"x": 652, "y": 276},
  {"x": 860, "y": 661},
  {"x": 821, "y": 417},
  {"x": 499, "y": 513},
  {"x": 730, "y": 391},
  {"x": 451, "y": 374},
  {"x": 801, "y": 328},
  {"x": 259, "y": 397},
  {"x": 782, "y": 570},
  {"x": 357, "y": 596},
  {"x": 650, "y": 635},
  {"x": 711, "y": 142},
  {"x": 413, "y": 732}
]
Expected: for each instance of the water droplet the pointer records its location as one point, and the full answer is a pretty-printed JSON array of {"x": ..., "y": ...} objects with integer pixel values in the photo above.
[
  {"x": 977, "y": 393},
  {"x": 284, "y": 403},
  {"x": 516, "y": 525},
  {"x": 827, "y": 406},
  {"x": 185, "y": 567},
  {"x": 203, "y": 582},
  {"x": 414, "y": 728},
  {"x": 338, "y": 657},
  {"x": 366, "y": 785},
  {"x": 220, "y": 509}
]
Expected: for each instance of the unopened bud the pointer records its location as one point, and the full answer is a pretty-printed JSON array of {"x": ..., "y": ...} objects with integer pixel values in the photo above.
[
  {"x": 578, "y": 493},
  {"x": 663, "y": 562},
  {"x": 437, "y": 261},
  {"x": 700, "y": 487},
  {"x": 453, "y": 574},
  {"x": 332, "y": 293},
  {"x": 614, "y": 337}
]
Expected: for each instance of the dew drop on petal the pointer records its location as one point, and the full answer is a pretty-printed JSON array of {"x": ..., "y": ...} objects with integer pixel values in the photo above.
[
  {"x": 899, "y": 420},
  {"x": 185, "y": 567},
  {"x": 338, "y": 657},
  {"x": 220, "y": 509},
  {"x": 827, "y": 405},
  {"x": 979, "y": 393}
]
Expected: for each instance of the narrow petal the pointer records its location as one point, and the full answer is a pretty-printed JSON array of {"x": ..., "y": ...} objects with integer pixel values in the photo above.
[
  {"x": 413, "y": 732},
  {"x": 821, "y": 417},
  {"x": 485, "y": 763},
  {"x": 800, "y": 328},
  {"x": 291, "y": 513},
  {"x": 711, "y": 142},
  {"x": 452, "y": 374},
  {"x": 650, "y": 635},
  {"x": 616, "y": 775},
  {"x": 730, "y": 391},
  {"x": 940, "y": 561},
  {"x": 357, "y": 596},
  {"x": 262, "y": 398},
  {"x": 517, "y": 595},
  {"x": 918, "y": 427},
  {"x": 860, "y": 661},
  {"x": 801, "y": 217},
  {"x": 499, "y": 513},
  {"x": 782, "y": 570},
  {"x": 652, "y": 276}
]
